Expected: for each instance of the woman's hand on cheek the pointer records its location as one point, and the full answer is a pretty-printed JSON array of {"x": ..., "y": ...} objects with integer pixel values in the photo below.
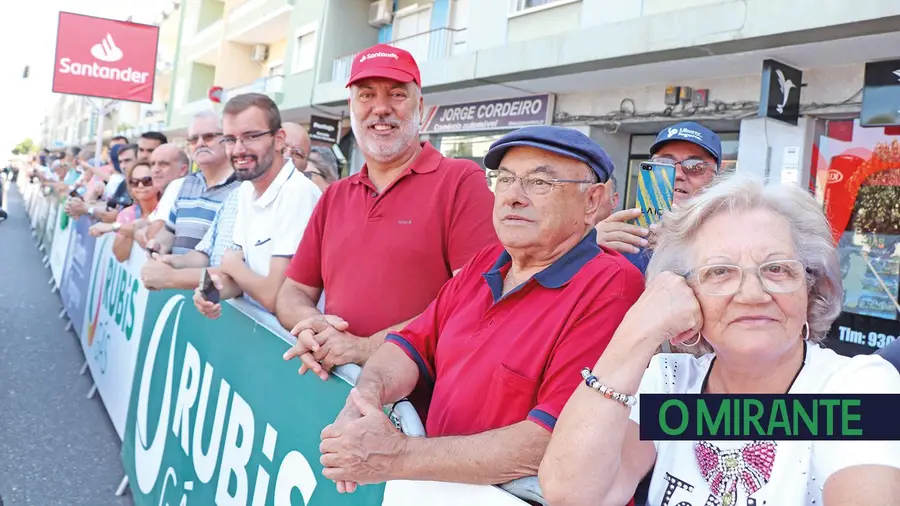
[{"x": 668, "y": 310}]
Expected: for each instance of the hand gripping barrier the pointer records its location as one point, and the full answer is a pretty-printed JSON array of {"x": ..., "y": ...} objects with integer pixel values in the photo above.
[{"x": 403, "y": 414}]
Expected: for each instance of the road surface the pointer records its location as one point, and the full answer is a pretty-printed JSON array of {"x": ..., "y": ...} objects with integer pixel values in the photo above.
[{"x": 56, "y": 446}]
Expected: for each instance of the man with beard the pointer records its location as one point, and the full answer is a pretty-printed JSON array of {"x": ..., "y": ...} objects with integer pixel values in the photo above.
[
  {"x": 199, "y": 199},
  {"x": 384, "y": 241},
  {"x": 275, "y": 203}
]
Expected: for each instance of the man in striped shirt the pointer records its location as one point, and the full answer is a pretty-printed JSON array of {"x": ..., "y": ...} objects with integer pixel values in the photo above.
[{"x": 202, "y": 195}]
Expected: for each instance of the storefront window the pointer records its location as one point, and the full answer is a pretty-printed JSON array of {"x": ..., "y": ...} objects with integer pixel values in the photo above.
[
  {"x": 858, "y": 176},
  {"x": 640, "y": 152},
  {"x": 467, "y": 146}
]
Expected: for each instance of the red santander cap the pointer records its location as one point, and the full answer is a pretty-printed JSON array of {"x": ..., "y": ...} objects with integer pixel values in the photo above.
[{"x": 385, "y": 61}]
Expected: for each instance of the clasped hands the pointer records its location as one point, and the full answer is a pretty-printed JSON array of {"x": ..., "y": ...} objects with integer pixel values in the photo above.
[
  {"x": 323, "y": 343},
  {"x": 362, "y": 446}
]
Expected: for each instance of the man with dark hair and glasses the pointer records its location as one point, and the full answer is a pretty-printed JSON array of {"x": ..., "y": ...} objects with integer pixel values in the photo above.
[
  {"x": 200, "y": 198},
  {"x": 696, "y": 153},
  {"x": 273, "y": 207}
]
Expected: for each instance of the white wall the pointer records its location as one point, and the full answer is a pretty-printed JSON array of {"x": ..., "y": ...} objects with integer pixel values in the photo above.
[
  {"x": 487, "y": 25},
  {"x": 764, "y": 145}
]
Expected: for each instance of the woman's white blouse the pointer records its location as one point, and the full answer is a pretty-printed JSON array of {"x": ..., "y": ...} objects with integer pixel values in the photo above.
[{"x": 799, "y": 469}]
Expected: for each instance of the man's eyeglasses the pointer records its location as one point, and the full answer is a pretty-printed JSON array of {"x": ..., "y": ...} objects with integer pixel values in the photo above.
[
  {"x": 779, "y": 276},
  {"x": 310, "y": 173},
  {"x": 294, "y": 151},
  {"x": 502, "y": 180},
  {"x": 207, "y": 137},
  {"x": 146, "y": 181},
  {"x": 246, "y": 138},
  {"x": 690, "y": 166}
]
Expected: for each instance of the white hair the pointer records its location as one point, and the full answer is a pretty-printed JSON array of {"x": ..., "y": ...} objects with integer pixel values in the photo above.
[
  {"x": 207, "y": 115},
  {"x": 811, "y": 233}
]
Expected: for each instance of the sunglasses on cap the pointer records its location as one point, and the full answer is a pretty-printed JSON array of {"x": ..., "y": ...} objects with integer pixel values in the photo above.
[{"x": 146, "y": 181}]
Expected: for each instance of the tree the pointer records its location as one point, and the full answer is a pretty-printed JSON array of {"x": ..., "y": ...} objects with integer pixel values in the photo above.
[{"x": 25, "y": 147}]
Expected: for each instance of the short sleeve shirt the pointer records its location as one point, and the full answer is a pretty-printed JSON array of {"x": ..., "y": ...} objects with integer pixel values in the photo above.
[
  {"x": 493, "y": 360},
  {"x": 170, "y": 195},
  {"x": 219, "y": 237},
  {"x": 383, "y": 256},
  {"x": 129, "y": 215},
  {"x": 272, "y": 224},
  {"x": 799, "y": 468},
  {"x": 195, "y": 209}
]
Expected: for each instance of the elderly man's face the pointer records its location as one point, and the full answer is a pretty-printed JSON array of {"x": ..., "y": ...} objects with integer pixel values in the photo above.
[
  {"x": 166, "y": 165},
  {"x": 690, "y": 182},
  {"x": 296, "y": 145},
  {"x": 385, "y": 116},
  {"x": 529, "y": 218},
  {"x": 203, "y": 136}
]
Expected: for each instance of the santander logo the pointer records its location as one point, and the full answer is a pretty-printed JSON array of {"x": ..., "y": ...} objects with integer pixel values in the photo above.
[{"x": 105, "y": 51}]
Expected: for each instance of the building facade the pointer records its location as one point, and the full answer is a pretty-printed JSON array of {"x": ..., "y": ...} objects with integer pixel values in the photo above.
[{"x": 618, "y": 71}]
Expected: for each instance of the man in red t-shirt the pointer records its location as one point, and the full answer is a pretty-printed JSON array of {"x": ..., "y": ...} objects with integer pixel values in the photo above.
[
  {"x": 502, "y": 346},
  {"x": 381, "y": 243}
]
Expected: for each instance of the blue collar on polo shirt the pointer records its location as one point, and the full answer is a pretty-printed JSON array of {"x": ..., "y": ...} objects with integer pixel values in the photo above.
[{"x": 556, "y": 275}]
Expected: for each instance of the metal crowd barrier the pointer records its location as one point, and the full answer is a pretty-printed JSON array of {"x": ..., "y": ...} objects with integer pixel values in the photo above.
[{"x": 403, "y": 414}]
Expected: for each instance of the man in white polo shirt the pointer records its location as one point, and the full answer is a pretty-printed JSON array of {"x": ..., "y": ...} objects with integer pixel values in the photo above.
[{"x": 275, "y": 203}]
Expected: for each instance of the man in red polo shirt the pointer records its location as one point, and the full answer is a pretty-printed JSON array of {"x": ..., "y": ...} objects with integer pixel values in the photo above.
[
  {"x": 381, "y": 243},
  {"x": 502, "y": 346}
]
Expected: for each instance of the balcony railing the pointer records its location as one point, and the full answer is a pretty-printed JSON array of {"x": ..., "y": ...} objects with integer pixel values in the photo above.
[
  {"x": 269, "y": 85},
  {"x": 427, "y": 46}
]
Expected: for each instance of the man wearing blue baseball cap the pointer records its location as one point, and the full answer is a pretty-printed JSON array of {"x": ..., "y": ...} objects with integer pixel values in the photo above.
[
  {"x": 502, "y": 346},
  {"x": 696, "y": 153}
]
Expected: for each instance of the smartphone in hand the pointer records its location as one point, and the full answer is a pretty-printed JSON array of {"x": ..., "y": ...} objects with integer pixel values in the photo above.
[
  {"x": 208, "y": 288},
  {"x": 656, "y": 188}
]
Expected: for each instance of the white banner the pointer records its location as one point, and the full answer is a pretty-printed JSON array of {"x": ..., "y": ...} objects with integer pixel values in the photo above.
[
  {"x": 60, "y": 246},
  {"x": 113, "y": 322},
  {"x": 39, "y": 207},
  {"x": 432, "y": 493}
]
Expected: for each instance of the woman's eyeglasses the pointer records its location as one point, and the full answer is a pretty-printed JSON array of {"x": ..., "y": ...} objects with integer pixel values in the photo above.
[
  {"x": 141, "y": 181},
  {"x": 779, "y": 276},
  {"x": 310, "y": 173}
]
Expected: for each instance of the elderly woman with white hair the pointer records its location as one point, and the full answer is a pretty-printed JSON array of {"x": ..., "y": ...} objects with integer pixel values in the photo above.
[{"x": 745, "y": 278}]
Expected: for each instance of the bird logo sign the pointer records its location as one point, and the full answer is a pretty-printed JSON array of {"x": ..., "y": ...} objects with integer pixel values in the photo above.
[
  {"x": 786, "y": 86},
  {"x": 107, "y": 50}
]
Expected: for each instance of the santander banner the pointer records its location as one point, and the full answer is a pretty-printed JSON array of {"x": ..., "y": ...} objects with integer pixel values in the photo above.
[{"x": 105, "y": 58}]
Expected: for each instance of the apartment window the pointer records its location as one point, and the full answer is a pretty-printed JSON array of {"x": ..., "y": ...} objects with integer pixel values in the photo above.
[
  {"x": 521, "y": 5},
  {"x": 276, "y": 69},
  {"x": 304, "y": 52}
]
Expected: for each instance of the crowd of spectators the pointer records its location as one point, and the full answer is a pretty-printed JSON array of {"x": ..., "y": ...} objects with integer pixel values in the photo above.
[{"x": 501, "y": 300}]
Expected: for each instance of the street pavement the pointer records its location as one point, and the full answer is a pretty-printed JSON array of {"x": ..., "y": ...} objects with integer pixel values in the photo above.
[{"x": 56, "y": 446}]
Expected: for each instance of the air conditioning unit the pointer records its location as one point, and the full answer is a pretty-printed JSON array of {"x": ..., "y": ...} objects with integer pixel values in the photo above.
[
  {"x": 381, "y": 12},
  {"x": 260, "y": 53}
]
